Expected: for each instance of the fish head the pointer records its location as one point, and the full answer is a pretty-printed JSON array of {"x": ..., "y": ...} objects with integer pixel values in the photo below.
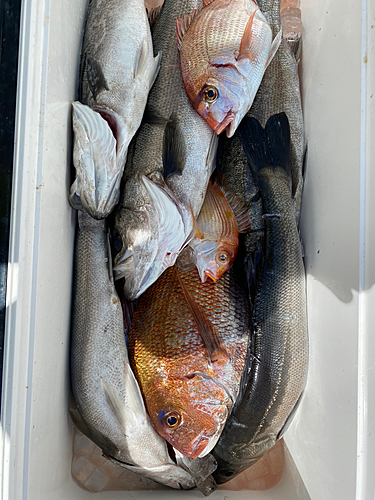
[
  {"x": 214, "y": 258},
  {"x": 147, "y": 240},
  {"x": 222, "y": 97},
  {"x": 190, "y": 413}
]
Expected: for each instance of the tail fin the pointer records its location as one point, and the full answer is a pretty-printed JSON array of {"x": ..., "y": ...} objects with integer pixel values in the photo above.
[{"x": 266, "y": 147}]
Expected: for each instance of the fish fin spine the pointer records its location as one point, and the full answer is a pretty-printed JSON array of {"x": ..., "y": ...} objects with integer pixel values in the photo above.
[
  {"x": 243, "y": 52},
  {"x": 183, "y": 24},
  {"x": 197, "y": 233},
  {"x": 274, "y": 46},
  {"x": 239, "y": 208}
]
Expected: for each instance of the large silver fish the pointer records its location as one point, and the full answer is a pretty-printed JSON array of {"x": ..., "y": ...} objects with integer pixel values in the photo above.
[
  {"x": 277, "y": 364},
  {"x": 110, "y": 408},
  {"x": 168, "y": 168},
  {"x": 118, "y": 68}
]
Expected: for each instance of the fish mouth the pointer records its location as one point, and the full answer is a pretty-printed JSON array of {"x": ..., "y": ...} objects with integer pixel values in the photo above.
[
  {"x": 220, "y": 127},
  {"x": 210, "y": 275}
]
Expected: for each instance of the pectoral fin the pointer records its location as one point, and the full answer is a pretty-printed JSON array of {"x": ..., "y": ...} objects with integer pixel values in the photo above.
[
  {"x": 95, "y": 77},
  {"x": 115, "y": 403},
  {"x": 206, "y": 329},
  {"x": 274, "y": 46}
]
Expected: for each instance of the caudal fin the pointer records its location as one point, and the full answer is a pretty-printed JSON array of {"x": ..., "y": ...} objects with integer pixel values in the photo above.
[
  {"x": 266, "y": 147},
  {"x": 97, "y": 184}
]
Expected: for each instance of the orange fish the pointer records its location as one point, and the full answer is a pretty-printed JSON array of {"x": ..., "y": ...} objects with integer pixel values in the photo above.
[
  {"x": 187, "y": 345},
  {"x": 216, "y": 230},
  {"x": 225, "y": 47}
]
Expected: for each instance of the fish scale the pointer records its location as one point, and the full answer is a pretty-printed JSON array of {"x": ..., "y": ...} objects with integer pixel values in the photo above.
[{"x": 166, "y": 349}]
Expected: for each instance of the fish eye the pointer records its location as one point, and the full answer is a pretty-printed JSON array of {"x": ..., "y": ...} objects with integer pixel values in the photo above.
[
  {"x": 116, "y": 241},
  {"x": 222, "y": 258},
  {"x": 210, "y": 94},
  {"x": 172, "y": 419}
]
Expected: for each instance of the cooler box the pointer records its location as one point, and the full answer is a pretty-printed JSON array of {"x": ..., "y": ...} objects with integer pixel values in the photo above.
[{"x": 331, "y": 444}]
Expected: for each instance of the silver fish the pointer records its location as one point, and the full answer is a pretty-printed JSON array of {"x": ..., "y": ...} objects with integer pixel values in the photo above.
[
  {"x": 178, "y": 157},
  {"x": 118, "y": 69},
  {"x": 274, "y": 380},
  {"x": 110, "y": 408}
]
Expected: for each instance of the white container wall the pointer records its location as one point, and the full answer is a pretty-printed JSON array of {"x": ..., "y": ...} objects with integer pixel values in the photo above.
[{"x": 332, "y": 439}]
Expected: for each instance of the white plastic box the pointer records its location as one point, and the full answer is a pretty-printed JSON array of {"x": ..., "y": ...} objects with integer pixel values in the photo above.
[{"x": 332, "y": 439}]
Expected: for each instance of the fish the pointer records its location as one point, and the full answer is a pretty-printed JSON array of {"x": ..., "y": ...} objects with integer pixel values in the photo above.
[
  {"x": 118, "y": 68},
  {"x": 109, "y": 405},
  {"x": 187, "y": 345},
  {"x": 216, "y": 232},
  {"x": 225, "y": 48},
  {"x": 276, "y": 366},
  {"x": 170, "y": 161},
  {"x": 280, "y": 92}
]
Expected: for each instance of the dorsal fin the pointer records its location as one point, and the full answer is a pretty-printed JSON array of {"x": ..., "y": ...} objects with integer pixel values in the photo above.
[
  {"x": 153, "y": 14},
  {"x": 206, "y": 329},
  {"x": 237, "y": 205},
  {"x": 244, "y": 52},
  {"x": 182, "y": 25}
]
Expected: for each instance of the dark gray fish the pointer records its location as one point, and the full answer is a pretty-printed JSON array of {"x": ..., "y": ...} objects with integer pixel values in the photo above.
[
  {"x": 275, "y": 377},
  {"x": 169, "y": 165}
]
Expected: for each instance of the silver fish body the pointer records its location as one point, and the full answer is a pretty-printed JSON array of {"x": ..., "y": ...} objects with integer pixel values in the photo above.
[
  {"x": 177, "y": 156},
  {"x": 273, "y": 383},
  {"x": 110, "y": 408},
  {"x": 118, "y": 69}
]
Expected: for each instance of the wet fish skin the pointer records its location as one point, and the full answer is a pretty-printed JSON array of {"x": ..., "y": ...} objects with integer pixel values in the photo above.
[
  {"x": 110, "y": 409},
  {"x": 280, "y": 92},
  {"x": 180, "y": 154},
  {"x": 117, "y": 70},
  {"x": 225, "y": 48},
  {"x": 181, "y": 376},
  {"x": 272, "y": 386},
  {"x": 216, "y": 232}
]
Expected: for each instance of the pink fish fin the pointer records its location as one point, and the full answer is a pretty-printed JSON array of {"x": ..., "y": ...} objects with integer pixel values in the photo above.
[
  {"x": 153, "y": 14},
  {"x": 274, "y": 46},
  {"x": 197, "y": 233},
  {"x": 244, "y": 52},
  {"x": 211, "y": 339},
  {"x": 239, "y": 208},
  {"x": 207, "y": 2},
  {"x": 182, "y": 25}
]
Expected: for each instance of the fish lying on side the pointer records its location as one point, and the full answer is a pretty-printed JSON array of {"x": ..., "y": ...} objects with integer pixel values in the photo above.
[
  {"x": 272, "y": 387},
  {"x": 187, "y": 345},
  {"x": 118, "y": 68},
  {"x": 168, "y": 168},
  {"x": 109, "y": 405},
  {"x": 225, "y": 48},
  {"x": 215, "y": 243}
]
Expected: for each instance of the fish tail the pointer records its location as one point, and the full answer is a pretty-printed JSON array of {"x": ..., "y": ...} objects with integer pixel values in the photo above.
[
  {"x": 267, "y": 147},
  {"x": 97, "y": 185}
]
